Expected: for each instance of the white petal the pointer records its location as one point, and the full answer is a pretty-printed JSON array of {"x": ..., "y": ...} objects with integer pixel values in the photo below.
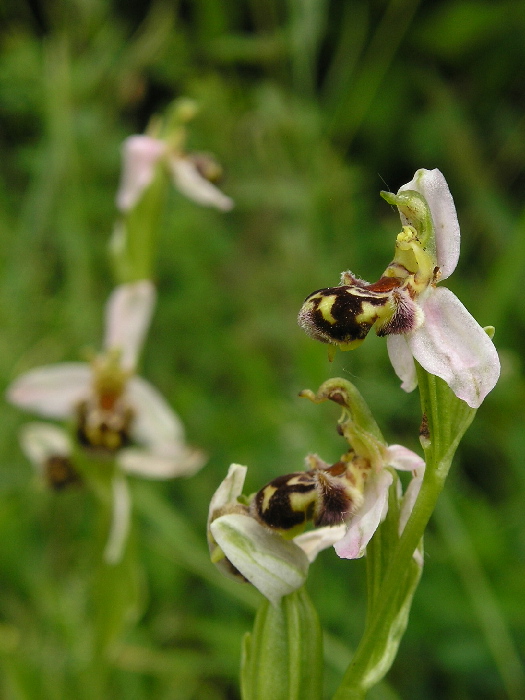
[
  {"x": 315, "y": 541},
  {"x": 275, "y": 566},
  {"x": 452, "y": 345},
  {"x": 190, "y": 182},
  {"x": 53, "y": 390},
  {"x": 40, "y": 441},
  {"x": 433, "y": 186},
  {"x": 155, "y": 423},
  {"x": 120, "y": 522},
  {"x": 229, "y": 490},
  {"x": 411, "y": 494},
  {"x": 140, "y": 155},
  {"x": 402, "y": 361},
  {"x": 404, "y": 459},
  {"x": 365, "y": 522},
  {"x": 128, "y": 316},
  {"x": 407, "y": 505},
  {"x": 171, "y": 461}
]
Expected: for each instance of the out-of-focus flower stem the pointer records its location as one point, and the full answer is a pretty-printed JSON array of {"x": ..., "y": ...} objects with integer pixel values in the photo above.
[{"x": 135, "y": 249}]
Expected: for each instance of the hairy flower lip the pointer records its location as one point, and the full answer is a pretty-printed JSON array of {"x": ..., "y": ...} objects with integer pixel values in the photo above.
[
  {"x": 332, "y": 314},
  {"x": 344, "y": 315},
  {"x": 242, "y": 548}
]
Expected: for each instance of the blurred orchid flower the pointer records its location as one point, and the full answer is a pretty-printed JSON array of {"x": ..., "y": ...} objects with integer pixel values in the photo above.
[
  {"x": 51, "y": 452},
  {"x": 421, "y": 321},
  {"x": 115, "y": 413},
  {"x": 192, "y": 174},
  {"x": 245, "y": 549}
]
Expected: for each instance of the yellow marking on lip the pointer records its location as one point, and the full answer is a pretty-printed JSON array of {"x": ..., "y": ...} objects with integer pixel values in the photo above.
[
  {"x": 325, "y": 307},
  {"x": 300, "y": 478},
  {"x": 300, "y": 502},
  {"x": 350, "y": 345},
  {"x": 267, "y": 494},
  {"x": 371, "y": 312}
]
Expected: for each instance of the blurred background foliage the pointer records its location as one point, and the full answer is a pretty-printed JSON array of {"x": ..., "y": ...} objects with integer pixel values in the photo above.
[{"x": 312, "y": 106}]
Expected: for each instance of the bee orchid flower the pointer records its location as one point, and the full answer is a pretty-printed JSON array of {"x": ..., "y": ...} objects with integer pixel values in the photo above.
[
  {"x": 422, "y": 321},
  {"x": 244, "y": 548},
  {"x": 115, "y": 414},
  {"x": 113, "y": 410},
  {"x": 261, "y": 538}
]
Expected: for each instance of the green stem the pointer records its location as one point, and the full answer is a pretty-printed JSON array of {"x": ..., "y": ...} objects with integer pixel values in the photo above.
[
  {"x": 448, "y": 418},
  {"x": 354, "y": 684}
]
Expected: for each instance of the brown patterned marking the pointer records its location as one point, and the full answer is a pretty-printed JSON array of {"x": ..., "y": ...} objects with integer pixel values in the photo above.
[
  {"x": 324, "y": 495},
  {"x": 278, "y": 511},
  {"x": 346, "y": 307},
  {"x": 424, "y": 429},
  {"x": 338, "y": 397},
  {"x": 107, "y": 400},
  {"x": 60, "y": 473},
  {"x": 337, "y": 469},
  {"x": 334, "y": 503},
  {"x": 104, "y": 430}
]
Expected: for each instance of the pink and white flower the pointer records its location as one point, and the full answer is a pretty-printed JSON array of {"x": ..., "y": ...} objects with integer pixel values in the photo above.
[
  {"x": 362, "y": 525},
  {"x": 142, "y": 154},
  {"x": 449, "y": 343},
  {"x": 420, "y": 320},
  {"x": 243, "y": 548},
  {"x": 370, "y": 455},
  {"x": 114, "y": 412}
]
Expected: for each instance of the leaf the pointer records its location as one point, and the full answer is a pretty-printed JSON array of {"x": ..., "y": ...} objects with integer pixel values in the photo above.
[{"x": 282, "y": 658}]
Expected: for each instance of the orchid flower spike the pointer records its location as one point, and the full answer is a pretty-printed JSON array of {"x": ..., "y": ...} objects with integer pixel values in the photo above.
[
  {"x": 246, "y": 548},
  {"x": 115, "y": 413},
  {"x": 194, "y": 174},
  {"x": 371, "y": 463},
  {"x": 422, "y": 321}
]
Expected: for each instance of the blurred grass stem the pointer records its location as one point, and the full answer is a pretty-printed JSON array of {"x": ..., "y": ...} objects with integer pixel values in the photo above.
[{"x": 480, "y": 594}]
